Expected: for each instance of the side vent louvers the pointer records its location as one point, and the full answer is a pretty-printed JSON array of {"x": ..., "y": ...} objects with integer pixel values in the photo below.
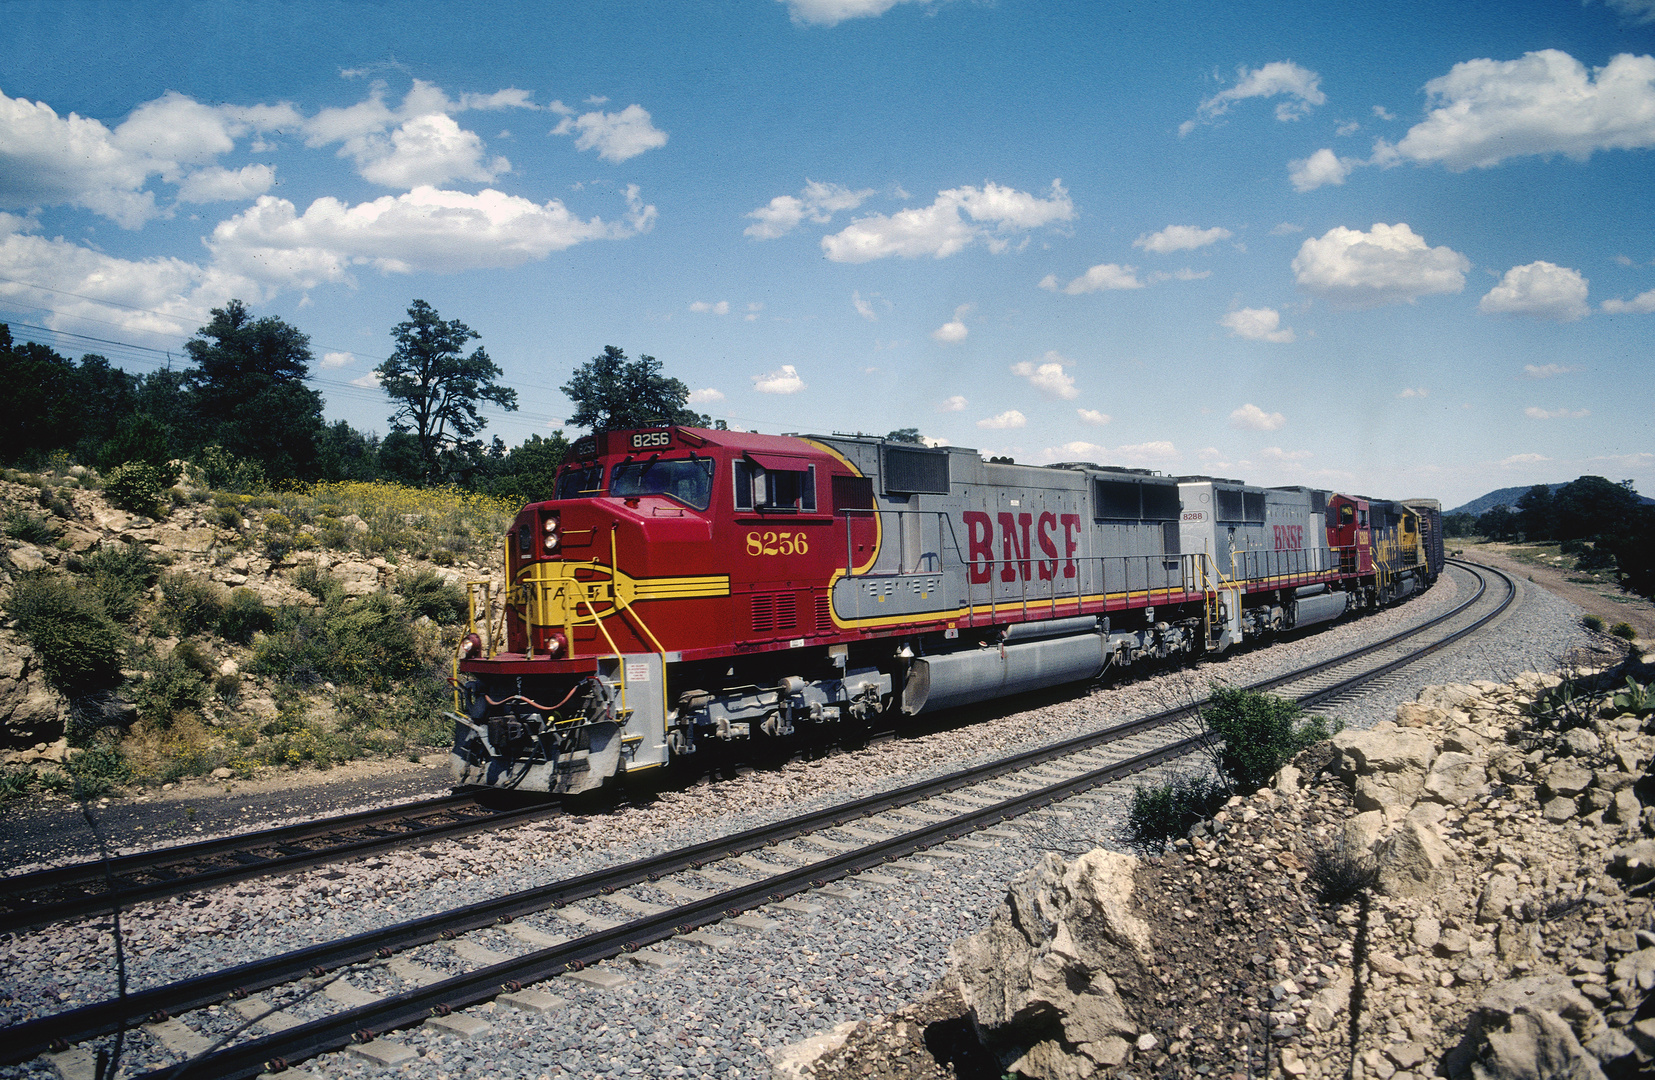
[{"x": 774, "y": 612}]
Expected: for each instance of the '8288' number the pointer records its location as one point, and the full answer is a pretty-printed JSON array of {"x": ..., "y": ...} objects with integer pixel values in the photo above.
[{"x": 773, "y": 543}]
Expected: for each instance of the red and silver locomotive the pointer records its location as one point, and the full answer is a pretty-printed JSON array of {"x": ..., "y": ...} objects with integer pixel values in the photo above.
[{"x": 687, "y": 586}]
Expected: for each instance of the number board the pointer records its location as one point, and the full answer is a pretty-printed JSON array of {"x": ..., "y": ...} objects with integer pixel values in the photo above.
[{"x": 646, "y": 440}]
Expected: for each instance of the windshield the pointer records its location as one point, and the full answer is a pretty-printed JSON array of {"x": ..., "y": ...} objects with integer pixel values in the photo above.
[
  {"x": 689, "y": 480},
  {"x": 580, "y": 482}
]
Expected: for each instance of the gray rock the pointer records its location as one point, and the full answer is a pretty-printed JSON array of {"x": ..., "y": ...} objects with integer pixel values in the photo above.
[
  {"x": 1557, "y": 809},
  {"x": 1565, "y": 778},
  {"x": 1498, "y": 896},
  {"x": 1047, "y": 964},
  {"x": 1412, "y": 861},
  {"x": 1582, "y": 742},
  {"x": 1535, "y": 1044},
  {"x": 1454, "y": 779}
]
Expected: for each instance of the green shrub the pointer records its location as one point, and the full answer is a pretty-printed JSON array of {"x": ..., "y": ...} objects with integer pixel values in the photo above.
[
  {"x": 318, "y": 583},
  {"x": 1623, "y": 630},
  {"x": 228, "y": 516},
  {"x": 228, "y": 687},
  {"x": 172, "y": 684},
  {"x": 138, "y": 488},
  {"x": 29, "y": 528},
  {"x": 1161, "y": 813},
  {"x": 276, "y": 521},
  {"x": 80, "y": 647},
  {"x": 426, "y": 593},
  {"x": 1261, "y": 733},
  {"x": 1635, "y": 698},
  {"x": 191, "y": 604},
  {"x": 121, "y": 576},
  {"x": 353, "y": 642},
  {"x": 1341, "y": 873},
  {"x": 243, "y": 616},
  {"x": 97, "y": 771},
  {"x": 1592, "y": 623},
  {"x": 16, "y": 781}
]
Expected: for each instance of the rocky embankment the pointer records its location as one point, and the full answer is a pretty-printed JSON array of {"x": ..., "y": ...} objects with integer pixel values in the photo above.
[
  {"x": 1464, "y": 892},
  {"x": 193, "y": 539}
]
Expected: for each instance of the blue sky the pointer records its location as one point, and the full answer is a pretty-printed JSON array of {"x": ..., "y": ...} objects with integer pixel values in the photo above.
[{"x": 1398, "y": 249}]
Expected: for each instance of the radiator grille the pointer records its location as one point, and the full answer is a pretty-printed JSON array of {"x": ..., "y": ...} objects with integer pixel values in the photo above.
[
  {"x": 824, "y": 613},
  {"x": 775, "y": 611}
]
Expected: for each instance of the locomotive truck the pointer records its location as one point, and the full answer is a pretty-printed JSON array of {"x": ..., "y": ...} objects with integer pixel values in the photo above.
[{"x": 687, "y": 587}]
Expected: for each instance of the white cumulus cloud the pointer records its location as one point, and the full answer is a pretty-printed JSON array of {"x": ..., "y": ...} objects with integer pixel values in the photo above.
[
  {"x": 1541, "y": 290},
  {"x": 954, "y": 331},
  {"x": 616, "y": 136},
  {"x": 155, "y": 296},
  {"x": 1389, "y": 264},
  {"x": 425, "y": 229},
  {"x": 1536, "y": 413},
  {"x": 1093, "y": 417},
  {"x": 784, "y": 380},
  {"x": 48, "y": 160},
  {"x": 367, "y": 381},
  {"x": 336, "y": 360},
  {"x": 953, "y": 404},
  {"x": 816, "y": 202},
  {"x": 217, "y": 184},
  {"x": 863, "y": 308},
  {"x": 1485, "y": 111},
  {"x": 1079, "y": 450},
  {"x": 1048, "y": 376},
  {"x": 957, "y": 218},
  {"x": 1545, "y": 371},
  {"x": 705, "y": 396},
  {"x": 1011, "y": 418},
  {"x": 1301, "y": 86},
  {"x": 703, "y": 307},
  {"x": 1413, "y": 392},
  {"x": 1180, "y": 238},
  {"x": 1099, "y": 278},
  {"x": 1148, "y": 453},
  {"x": 1255, "y": 418},
  {"x": 1642, "y": 304},
  {"x": 1524, "y": 459},
  {"x": 1322, "y": 167},
  {"x": 416, "y": 143},
  {"x": 834, "y": 12},
  {"x": 1257, "y": 324}
]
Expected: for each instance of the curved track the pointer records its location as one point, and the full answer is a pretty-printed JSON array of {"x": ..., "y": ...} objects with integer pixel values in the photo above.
[{"x": 842, "y": 841}]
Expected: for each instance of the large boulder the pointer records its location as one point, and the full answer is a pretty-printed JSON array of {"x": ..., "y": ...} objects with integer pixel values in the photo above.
[
  {"x": 1527, "y": 1028},
  {"x": 1454, "y": 779},
  {"x": 1413, "y": 861},
  {"x": 1385, "y": 765},
  {"x": 1044, "y": 981},
  {"x": 30, "y": 710}
]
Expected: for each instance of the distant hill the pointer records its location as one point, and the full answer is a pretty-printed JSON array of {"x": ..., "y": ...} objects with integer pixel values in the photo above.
[{"x": 1507, "y": 496}]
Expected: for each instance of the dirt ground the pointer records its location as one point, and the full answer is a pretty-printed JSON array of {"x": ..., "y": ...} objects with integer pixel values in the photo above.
[{"x": 1601, "y": 598}]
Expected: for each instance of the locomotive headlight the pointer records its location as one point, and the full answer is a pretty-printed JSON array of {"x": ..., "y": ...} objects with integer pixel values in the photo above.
[{"x": 551, "y": 527}]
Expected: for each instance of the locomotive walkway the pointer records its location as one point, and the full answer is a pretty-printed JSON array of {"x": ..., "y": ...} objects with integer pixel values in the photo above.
[{"x": 714, "y": 882}]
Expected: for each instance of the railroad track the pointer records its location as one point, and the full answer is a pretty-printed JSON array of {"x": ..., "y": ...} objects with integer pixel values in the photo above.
[
  {"x": 573, "y": 924},
  {"x": 68, "y": 892}
]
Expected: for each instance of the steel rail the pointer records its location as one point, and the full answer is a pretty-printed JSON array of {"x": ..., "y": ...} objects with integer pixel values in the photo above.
[
  {"x": 362, "y": 1024},
  {"x": 33, "y": 1037},
  {"x": 176, "y": 859}
]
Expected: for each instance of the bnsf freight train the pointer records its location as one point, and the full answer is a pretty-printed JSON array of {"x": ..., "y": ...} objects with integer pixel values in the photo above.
[{"x": 687, "y": 587}]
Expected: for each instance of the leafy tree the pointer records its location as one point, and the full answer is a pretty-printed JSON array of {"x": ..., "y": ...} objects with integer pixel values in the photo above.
[
  {"x": 906, "y": 435},
  {"x": 247, "y": 391},
  {"x": 436, "y": 386},
  {"x": 526, "y": 473},
  {"x": 1498, "y": 524},
  {"x": 344, "y": 453},
  {"x": 611, "y": 392},
  {"x": 1591, "y": 505},
  {"x": 1536, "y": 516},
  {"x": 1458, "y": 525}
]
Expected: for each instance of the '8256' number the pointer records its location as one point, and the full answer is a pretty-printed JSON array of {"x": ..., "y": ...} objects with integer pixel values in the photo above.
[{"x": 772, "y": 543}]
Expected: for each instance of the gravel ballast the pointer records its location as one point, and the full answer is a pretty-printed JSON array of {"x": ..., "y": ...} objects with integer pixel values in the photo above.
[{"x": 719, "y": 1011}]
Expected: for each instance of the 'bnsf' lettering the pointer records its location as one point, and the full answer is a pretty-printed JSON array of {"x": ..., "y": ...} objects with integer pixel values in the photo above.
[
  {"x": 1017, "y": 552},
  {"x": 1288, "y": 537}
]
